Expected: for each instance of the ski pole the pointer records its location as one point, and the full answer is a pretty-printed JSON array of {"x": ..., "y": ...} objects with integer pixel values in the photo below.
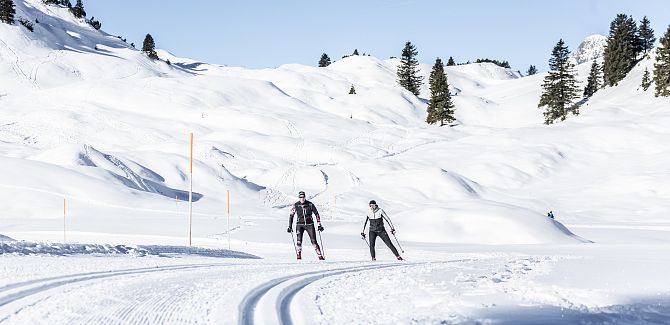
[
  {"x": 396, "y": 240},
  {"x": 366, "y": 241},
  {"x": 294, "y": 247},
  {"x": 323, "y": 251}
]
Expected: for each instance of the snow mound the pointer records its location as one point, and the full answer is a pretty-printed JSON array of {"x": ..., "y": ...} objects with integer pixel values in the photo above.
[
  {"x": 60, "y": 249},
  {"x": 484, "y": 71},
  {"x": 5, "y": 238},
  {"x": 481, "y": 222},
  {"x": 591, "y": 48}
]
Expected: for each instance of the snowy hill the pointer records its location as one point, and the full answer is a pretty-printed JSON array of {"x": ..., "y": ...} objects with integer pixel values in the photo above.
[{"x": 87, "y": 118}]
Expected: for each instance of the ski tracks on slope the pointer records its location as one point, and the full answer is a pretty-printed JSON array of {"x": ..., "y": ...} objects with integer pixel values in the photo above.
[
  {"x": 277, "y": 294},
  {"x": 20, "y": 292}
]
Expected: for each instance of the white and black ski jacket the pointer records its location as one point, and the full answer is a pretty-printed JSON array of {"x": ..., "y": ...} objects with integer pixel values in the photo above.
[{"x": 377, "y": 217}]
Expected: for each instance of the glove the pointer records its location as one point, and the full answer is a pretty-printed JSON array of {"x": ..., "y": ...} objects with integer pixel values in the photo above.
[
  {"x": 392, "y": 231},
  {"x": 363, "y": 235},
  {"x": 320, "y": 228},
  {"x": 289, "y": 229}
]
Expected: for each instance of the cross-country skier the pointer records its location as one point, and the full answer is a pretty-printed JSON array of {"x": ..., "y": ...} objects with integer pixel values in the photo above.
[
  {"x": 376, "y": 218},
  {"x": 304, "y": 210}
]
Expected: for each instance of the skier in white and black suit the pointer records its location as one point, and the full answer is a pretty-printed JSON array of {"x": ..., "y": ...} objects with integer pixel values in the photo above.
[
  {"x": 304, "y": 210},
  {"x": 377, "y": 218}
]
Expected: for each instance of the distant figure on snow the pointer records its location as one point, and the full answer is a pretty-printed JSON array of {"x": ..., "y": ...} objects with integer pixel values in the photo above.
[
  {"x": 304, "y": 210},
  {"x": 550, "y": 214},
  {"x": 376, "y": 218}
]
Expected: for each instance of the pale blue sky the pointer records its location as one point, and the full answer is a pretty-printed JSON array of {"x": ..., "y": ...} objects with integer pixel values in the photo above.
[{"x": 260, "y": 34}]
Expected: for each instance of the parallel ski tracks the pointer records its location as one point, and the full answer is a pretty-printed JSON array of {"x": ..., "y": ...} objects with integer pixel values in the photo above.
[
  {"x": 283, "y": 301},
  {"x": 17, "y": 291}
]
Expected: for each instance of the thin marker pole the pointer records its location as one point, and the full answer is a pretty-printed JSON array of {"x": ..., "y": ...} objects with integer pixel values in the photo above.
[
  {"x": 190, "y": 192},
  {"x": 228, "y": 200},
  {"x": 64, "y": 238}
]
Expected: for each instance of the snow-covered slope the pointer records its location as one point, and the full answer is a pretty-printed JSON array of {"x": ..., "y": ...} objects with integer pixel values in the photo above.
[{"x": 107, "y": 129}]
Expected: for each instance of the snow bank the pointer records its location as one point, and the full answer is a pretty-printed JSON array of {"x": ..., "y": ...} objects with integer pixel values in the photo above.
[{"x": 60, "y": 249}]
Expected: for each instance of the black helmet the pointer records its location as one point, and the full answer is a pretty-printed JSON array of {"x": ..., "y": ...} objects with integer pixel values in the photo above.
[
  {"x": 301, "y": 194},
  {"x": 372, "y": 202}
]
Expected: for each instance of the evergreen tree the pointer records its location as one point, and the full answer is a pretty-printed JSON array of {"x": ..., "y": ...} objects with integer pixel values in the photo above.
[
  {"x": 531, "y": 70},
  {"x": 593, "y": 81},
  {"x": 355, "y": 52},
  {"x": 560, "y": 86},
  {"x": 352, "y": 90},
  {"x": 7, "y": 11},
  {"x": 324, "y": 61},
  {"x": 78, "y": 10},
  {"x": 646, "y": 80},
  {"x": 149, "y": 47},
  {"x": 96, "y": 24},
  {"x": 408, "y": 70},
  {"x": 662, "y": 66},
  {"x": 451, "y": 62},
  {"x": 646, "y": 35},
  {"x": 621, "y": 50},
  {"x": 440, "y": 106}
]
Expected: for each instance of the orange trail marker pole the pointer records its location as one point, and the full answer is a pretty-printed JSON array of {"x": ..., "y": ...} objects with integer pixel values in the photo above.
[
  {"x": 64, "y": 238},
  {"x": 228, "y": 201},
  {"x": 190, "y": 192}
]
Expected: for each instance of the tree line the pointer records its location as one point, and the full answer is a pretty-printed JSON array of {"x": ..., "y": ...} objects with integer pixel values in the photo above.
[{"x": 627, "y": 44}]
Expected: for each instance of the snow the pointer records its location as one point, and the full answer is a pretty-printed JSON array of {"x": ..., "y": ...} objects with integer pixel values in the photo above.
[
  {"x": 94, "y": 142},
  {"x": 13, "y": 247},
  {"x": 591, "y": 48}
]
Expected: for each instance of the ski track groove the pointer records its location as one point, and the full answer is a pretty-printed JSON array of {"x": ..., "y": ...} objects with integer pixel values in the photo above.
[
  {"x": 250, "y": 301},
  {"x": 54, "y": 282},
  {"x": 286, "y": 296}
]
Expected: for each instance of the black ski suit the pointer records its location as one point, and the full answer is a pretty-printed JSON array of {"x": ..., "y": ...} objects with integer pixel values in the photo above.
[
  {"x": 305, "y": 222},
  {"x": 377, "y": 218}
]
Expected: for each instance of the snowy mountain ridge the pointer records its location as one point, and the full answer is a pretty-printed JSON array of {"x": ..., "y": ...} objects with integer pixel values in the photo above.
[{"x": 591, "y": 48}]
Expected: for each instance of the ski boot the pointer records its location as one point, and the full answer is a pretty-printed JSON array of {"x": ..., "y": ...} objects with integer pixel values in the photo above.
[
  {"x": 400, "y": 258},
  {"x": 321, "y": 258}
]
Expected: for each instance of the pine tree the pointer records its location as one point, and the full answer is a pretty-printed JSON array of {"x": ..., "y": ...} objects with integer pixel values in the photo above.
[
  {"x": 96, "y": 24},
  {"x": 593, "y": 81},
  {"x": 352, "y": 90},
  {"x": 560, "y": 86},
  {"x": 451, "y": 62},
  {"x": 623, "y": 46},
  {"x": 662, "y": 66},
  {"x": 324, "y": 61},
  {"x": 78, "y": 10},
  {"x": 408, "y": 70},
  {"x": 531, "y": 70},
  {"x": 149, "y": 47},
  {"x": 7, "y": 11},
  {"x": 440, "y": 106},
  {"x": 646, "y": 35},
  {"x": 646, "y": 80},
  {"x": 355, "y": 52}
]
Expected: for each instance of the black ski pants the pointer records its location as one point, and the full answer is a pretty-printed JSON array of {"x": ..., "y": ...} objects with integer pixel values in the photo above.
[
  {"x": 300, "y": 229},
  {"x": 385, "y": 237}
]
